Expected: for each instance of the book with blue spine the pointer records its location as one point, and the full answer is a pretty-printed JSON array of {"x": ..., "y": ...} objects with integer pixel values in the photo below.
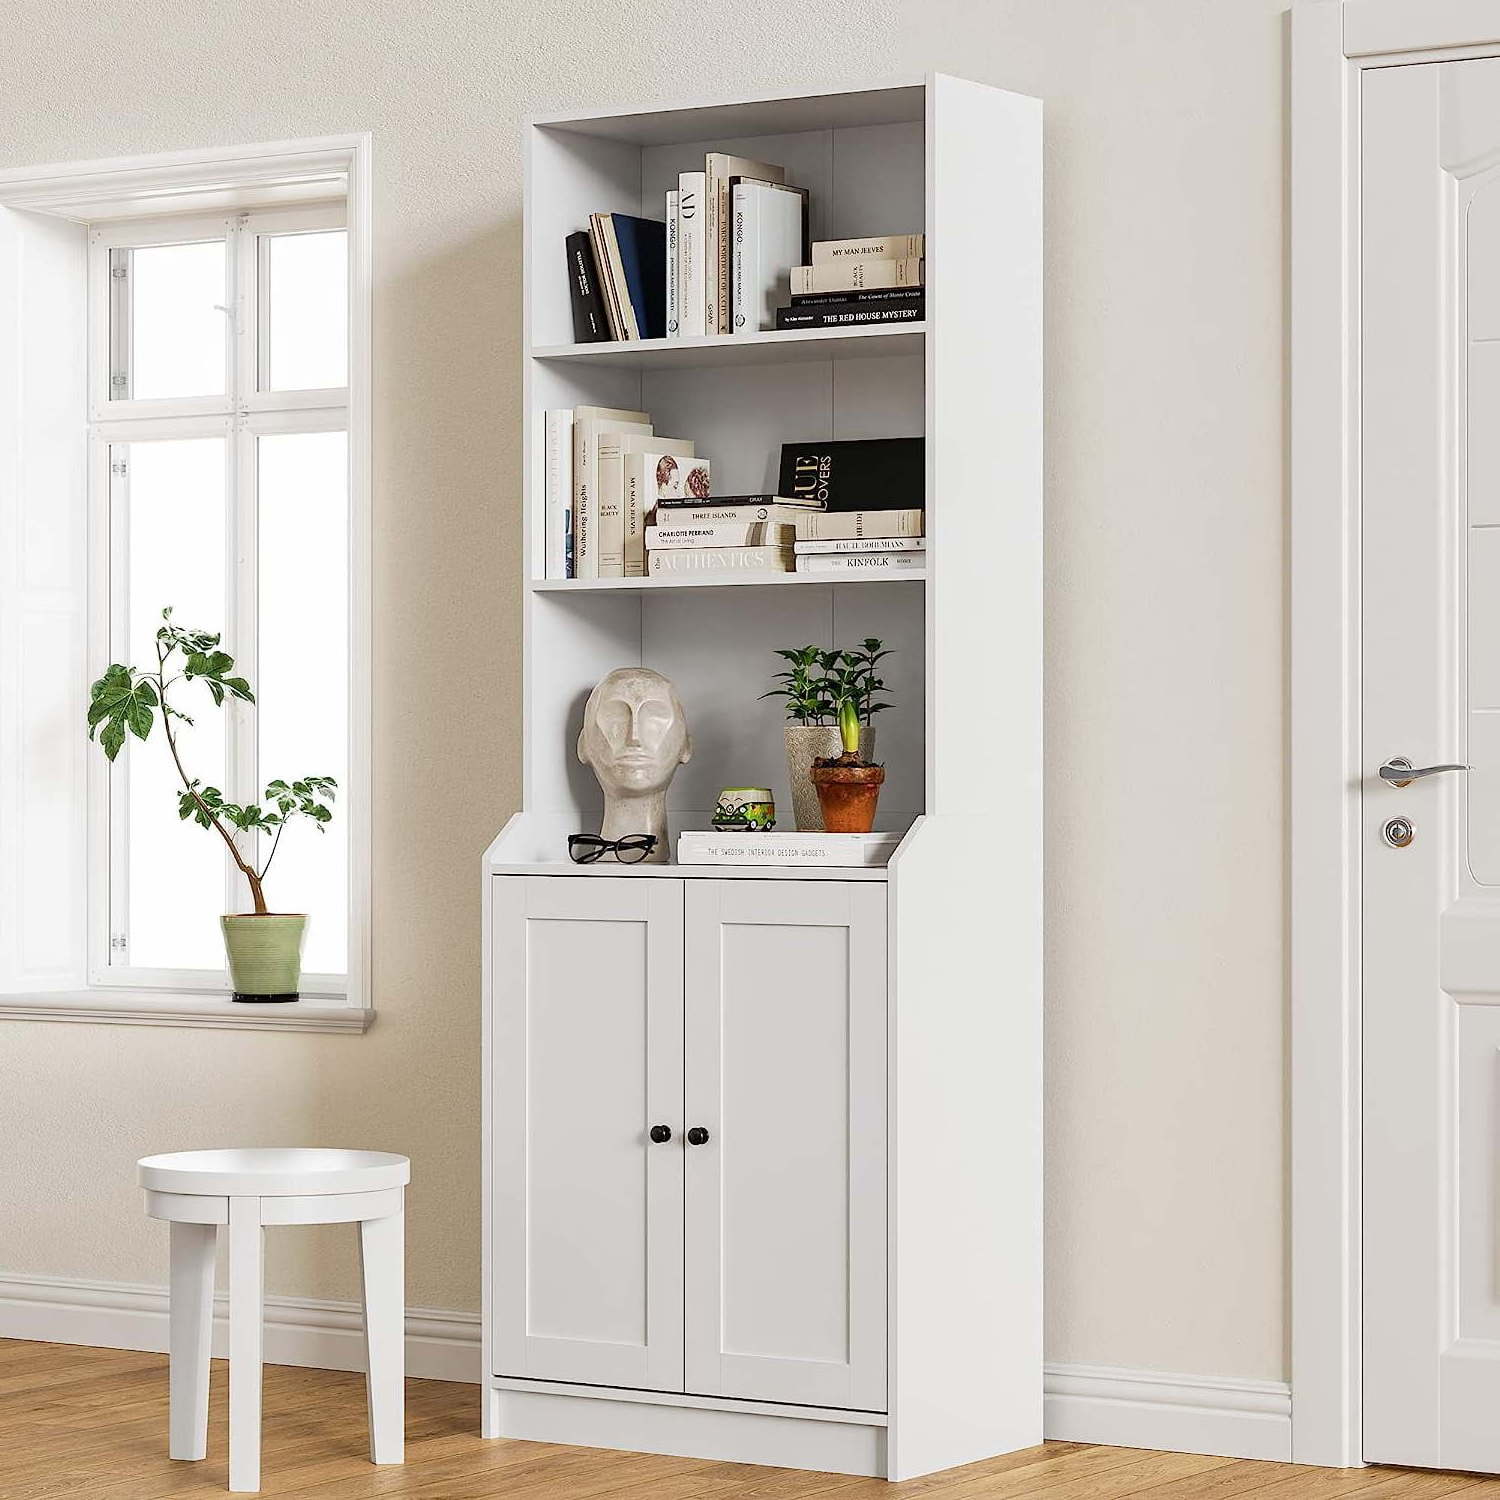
[{"x": 633, "y": 261}]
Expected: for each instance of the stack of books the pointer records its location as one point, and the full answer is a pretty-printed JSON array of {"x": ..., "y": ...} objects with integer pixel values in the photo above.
[
  {"x": 605, "y": 472},
  {"x": 854, "y": 282},
  {"x": 740, "y": 534},
  {"x": 722, "y": 261},
  {"x": 871, "y": 520},
  {"x": 734, "y": 233},
  {"x": 617, "y": 278}
]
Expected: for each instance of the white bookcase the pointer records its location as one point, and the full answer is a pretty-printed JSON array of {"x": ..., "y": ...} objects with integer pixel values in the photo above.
[{"x": 846, "y": 1274}]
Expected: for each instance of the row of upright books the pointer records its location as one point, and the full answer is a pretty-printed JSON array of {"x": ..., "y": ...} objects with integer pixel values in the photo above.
[
  {"x": 734, "y": 255},
  {"x": 622, "y": 501}
]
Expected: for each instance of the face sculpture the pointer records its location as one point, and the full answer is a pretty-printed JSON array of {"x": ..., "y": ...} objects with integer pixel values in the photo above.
[{"x": 634, "y": 733}]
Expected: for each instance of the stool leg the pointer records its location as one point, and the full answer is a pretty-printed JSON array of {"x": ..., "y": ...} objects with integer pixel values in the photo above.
[
  {"x": 246, "y": 1283},
  {"x": 192, "y": 1315},
  {"x": 382, "y": 1250}
]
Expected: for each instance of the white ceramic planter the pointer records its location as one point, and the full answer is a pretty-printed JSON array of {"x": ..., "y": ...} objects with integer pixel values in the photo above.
[{"x": 806, "y": 743}]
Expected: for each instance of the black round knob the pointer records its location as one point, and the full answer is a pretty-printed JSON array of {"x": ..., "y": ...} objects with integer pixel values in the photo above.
[
  {"x": 697, "y": 1136},
  {"x": 661, "y": 1134}
]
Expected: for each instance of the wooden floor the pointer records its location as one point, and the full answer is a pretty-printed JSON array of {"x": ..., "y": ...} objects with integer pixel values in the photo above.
[{"x": 91, "y": 1424}]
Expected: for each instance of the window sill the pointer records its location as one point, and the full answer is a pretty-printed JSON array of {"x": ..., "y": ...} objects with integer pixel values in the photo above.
[{"x": 165, "y": 1008}]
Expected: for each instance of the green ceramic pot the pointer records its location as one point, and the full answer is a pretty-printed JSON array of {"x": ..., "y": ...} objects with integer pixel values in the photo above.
[{"x": 265, "y": 955}]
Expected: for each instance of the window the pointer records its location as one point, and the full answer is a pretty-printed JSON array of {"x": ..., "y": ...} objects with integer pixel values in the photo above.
[{"x": 218, "y": 423}]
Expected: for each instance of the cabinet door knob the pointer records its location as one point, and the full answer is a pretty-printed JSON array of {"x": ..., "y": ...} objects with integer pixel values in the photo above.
[
  {"x": 697, "y": 1136},
  {"x": 661, "y": 1134}
]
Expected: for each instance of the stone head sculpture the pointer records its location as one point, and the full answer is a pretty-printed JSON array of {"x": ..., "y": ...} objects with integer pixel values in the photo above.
[{"x": 635, "y": 736}]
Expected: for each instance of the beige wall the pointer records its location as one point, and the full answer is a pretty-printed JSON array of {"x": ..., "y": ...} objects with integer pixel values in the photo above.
[{"x": 1166, "y": 541}]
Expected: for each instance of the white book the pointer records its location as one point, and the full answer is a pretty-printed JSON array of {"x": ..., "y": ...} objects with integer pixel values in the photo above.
[
  {"x": 737, "y": 848},
  {"x": 557, "y": 468},
  {"x": 711, "y": 515},
  {"x": 874, "y": 247},
  {"x": 692, "y": 254},
  {"x": 769, "y": 238},
  {"x": 722, "y": 534},
  {"x": 588, "y": 423},
  {"x": 872, "y": 564},
  {"x": 611, "y": 480},
  {"x": 841, "y": 525},
  {"x": 705, "y": 560},
  {"x": 674, "y": 307},
  {"x": 718, "y": 168},
  {"x": 654, "y": 468},
  {"x": 863, "y": 544},
  {"x": 855, "y": 275}
]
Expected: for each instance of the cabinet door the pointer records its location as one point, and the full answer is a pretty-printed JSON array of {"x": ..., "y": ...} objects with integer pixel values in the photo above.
[
  {"x": 587, "y": 1229},
  {"x": 785, "y": 1201}
]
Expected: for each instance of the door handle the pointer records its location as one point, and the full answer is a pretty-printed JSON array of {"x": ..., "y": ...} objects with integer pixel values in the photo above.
[
  {"x": 697, "y": 1136},
  {"x": 1398, "y": 771}
]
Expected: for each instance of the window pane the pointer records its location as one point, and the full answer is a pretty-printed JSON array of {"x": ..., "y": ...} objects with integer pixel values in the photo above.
[
  {"x": 178, "y": 331},
  {"x": 173, "y": 526},
  {"x": 308, "y": 291},
  {"x": 303, "y": 718}
]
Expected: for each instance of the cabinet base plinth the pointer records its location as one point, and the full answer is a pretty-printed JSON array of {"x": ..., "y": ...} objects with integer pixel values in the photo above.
[{"x": 687, "y": 1432}]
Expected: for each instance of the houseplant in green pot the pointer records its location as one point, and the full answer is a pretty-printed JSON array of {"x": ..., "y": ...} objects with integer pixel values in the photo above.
[
  {"x": 264, "y": 947},
  {"x": 815, "y": 682},
  {"x": 848, "y": 785}
]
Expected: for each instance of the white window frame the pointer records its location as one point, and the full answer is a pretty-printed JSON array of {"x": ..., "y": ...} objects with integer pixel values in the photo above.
[
  {"x": 127, "y": 201},
  {"x": 243, "y": 414}
]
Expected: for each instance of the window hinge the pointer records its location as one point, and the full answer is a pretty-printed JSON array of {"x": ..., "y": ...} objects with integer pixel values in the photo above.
[
  {"x": 118, "y": 942},
  {"x": 119, "y": 466}
]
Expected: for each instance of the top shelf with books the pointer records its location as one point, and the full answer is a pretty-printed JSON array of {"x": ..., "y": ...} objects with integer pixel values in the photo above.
[{"x": 789, "y": 346}]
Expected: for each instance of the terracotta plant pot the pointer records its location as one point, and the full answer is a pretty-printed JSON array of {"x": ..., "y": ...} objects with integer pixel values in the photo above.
[
  {"x": 848, "y": 790},
  {"x": 805, "y": 743}
]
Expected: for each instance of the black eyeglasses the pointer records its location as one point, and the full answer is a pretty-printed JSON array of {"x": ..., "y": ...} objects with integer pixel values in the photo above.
[{"x": 587, "y": 848}]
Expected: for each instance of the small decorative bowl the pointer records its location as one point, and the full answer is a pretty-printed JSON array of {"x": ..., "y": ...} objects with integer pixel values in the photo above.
[{"x": 745, "y": 807}]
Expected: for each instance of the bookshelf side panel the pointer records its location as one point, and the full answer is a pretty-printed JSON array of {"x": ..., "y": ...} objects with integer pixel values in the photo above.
[{"x": 967, "y": 1221}]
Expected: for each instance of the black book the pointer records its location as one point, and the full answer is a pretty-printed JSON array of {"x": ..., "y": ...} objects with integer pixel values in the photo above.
[
  {"x": 589, "y": 322},
  {"x": 856, "y": 474},
  {"x": 848, "y": 315},
  {"x": 841, "y": 299}
]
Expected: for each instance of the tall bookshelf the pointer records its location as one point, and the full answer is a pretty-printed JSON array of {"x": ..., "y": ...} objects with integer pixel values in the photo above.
[{"x": 954, "y": 1325}]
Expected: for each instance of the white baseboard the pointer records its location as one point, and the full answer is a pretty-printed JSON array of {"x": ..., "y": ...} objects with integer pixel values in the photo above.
[
  {"x": 1083, "y": 1403},
  {"x": 1179, "y": 1413},
  {"x": 298, "y": 1330}
]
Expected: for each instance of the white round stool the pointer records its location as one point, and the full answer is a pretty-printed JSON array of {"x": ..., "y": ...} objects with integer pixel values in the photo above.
[{"x": 247, "y": 1190}]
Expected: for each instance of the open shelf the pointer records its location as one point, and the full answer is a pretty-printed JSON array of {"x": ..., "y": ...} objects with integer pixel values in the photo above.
[
  {"x": 715, "y": 581},
  {"x": 788, "y": 346}
]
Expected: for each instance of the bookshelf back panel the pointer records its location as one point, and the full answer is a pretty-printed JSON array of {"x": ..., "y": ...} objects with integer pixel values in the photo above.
[
  {"x": 865, "y": 179},
  {"x": 718, "y": 647}
]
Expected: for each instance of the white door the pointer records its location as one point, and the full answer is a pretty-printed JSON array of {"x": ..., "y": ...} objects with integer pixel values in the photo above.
[
  {"x": 1429, "y": 361},
  {"x": 587, "y": 1207},
  {"x": 785, "y": 1158}
]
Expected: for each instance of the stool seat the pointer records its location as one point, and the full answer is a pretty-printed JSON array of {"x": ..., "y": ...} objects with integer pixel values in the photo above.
[{"x": 273, "y": 1172}]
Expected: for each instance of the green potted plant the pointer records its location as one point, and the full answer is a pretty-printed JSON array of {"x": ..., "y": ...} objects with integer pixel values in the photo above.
[
  {"x": 848, "y": 785},
  {"x": 264, "y": 947},
  {"x": 815, "y": 683}
]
